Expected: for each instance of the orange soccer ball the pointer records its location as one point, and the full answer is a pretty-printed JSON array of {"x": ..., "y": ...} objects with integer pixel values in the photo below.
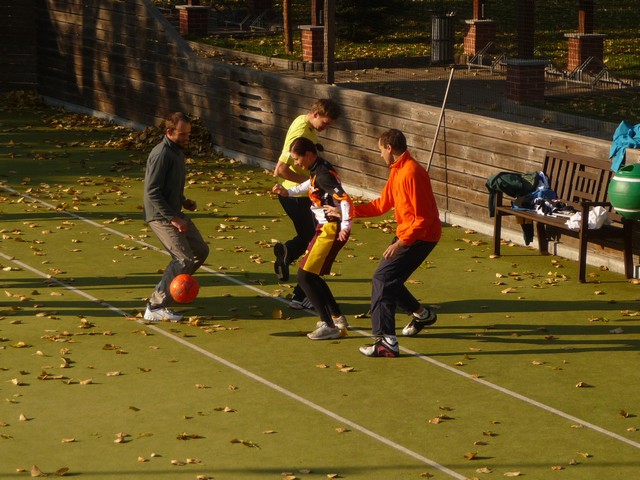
[{"x": 184, "y": 288}]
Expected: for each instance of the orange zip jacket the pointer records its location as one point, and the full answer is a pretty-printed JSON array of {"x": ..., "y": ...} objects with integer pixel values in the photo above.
[{"x": 408, "y": 190}]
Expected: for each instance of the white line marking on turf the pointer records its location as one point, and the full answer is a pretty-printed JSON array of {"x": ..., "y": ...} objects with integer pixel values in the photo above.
[
  {"x": 243, "y": 371},
  {"x": 425, "y": 358}
]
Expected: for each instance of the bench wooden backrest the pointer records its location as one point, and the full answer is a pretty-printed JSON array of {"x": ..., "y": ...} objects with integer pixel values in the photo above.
[{"x": 577, "y": 178}]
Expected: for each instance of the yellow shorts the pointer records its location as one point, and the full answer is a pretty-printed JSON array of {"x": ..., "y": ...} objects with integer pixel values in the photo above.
[{"x": 323, "y": 249}]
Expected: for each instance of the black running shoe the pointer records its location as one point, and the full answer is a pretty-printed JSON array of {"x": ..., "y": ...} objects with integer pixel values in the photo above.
[
  {"x": 417, "y": 323},
  {"x": 281, "y": 267}
]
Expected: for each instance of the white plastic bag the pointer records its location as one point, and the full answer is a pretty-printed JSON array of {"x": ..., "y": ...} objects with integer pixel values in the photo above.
[{"x": 598, "y": 217}]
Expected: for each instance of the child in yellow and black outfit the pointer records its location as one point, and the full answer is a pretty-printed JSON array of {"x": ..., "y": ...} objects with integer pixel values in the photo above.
[{"x": 331, "y": 235}]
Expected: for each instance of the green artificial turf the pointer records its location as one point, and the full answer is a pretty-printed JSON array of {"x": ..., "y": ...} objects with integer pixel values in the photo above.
[{"x": 523, "y": 373}]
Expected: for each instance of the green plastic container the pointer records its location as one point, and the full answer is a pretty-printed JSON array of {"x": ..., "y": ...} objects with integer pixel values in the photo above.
[{"x": 624, "y": 191}]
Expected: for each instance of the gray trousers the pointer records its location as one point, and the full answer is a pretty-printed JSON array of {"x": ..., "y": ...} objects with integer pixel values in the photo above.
[{"x": 188, "y": 252}]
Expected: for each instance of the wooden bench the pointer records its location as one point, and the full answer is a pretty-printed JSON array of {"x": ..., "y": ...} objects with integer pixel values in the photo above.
[{"x": 581, "y": 182}]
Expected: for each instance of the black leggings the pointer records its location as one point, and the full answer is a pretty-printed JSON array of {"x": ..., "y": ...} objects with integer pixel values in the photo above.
[{"x": 319, "y": 294}]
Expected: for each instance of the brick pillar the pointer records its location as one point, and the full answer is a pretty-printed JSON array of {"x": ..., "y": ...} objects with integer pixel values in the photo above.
[
  {"x": 525, "y": 80},
  {"x": 312, "y": 43},
  {"x": 479, "y": 34},
  {"x": 583, "y": 46},
  {"x": 194, "y": 19}
]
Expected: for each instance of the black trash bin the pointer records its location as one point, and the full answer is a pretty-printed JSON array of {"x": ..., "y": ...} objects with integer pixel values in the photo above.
[{"x": 442, "y": 36}]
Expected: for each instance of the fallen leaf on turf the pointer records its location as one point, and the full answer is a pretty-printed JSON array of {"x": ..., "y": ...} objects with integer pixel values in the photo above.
[
  {"x": 36, "y": 472},
  {"x": 426, "y": 475},
  {"x": 246, "y": 443},
  {"x": 68, "y": 440},
  {"x": 322, "y": 365},
  {"x": 585, "y": 454},
  {"x": 470, "y": 455},
  {"x": 512, "y": 474},
  {"x": 582, "y": 385},
  {"x": 342, "y": 430},
  {"x": 623, "y": 413},
  {"x": 483, "y": 470},
  {"x": 189, "y": 436},
  {"x": 557, "y": 467},
  {"x": 61, "y": 472}
]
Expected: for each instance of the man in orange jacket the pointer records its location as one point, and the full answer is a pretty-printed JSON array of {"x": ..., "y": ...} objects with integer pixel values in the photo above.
[{"x": 408, "y": 191}]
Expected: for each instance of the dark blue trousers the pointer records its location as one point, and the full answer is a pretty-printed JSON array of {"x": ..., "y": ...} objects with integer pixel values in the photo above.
[{"x": 388, "y": 290}]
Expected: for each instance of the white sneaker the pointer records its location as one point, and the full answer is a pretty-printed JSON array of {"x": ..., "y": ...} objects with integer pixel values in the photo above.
[
  {"x": 341, "y": 323},
  {"x": 325, "y": 332},
  {"x": 382, "y": 348},
  {"x": 161, "y": 314}
]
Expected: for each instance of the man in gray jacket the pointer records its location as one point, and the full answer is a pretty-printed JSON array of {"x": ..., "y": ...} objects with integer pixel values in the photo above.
[{"x": 164, "y": 200}]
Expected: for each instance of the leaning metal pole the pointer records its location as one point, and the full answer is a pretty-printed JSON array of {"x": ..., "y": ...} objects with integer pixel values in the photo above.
[{"x": 444, "y": 103}]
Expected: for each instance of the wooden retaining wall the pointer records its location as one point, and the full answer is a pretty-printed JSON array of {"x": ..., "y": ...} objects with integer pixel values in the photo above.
[{"x": 123, "y": 58}]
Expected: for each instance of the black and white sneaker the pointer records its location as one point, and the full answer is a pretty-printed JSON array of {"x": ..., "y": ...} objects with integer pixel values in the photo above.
[
  {"x": 418, "y": 322},
  {"x": 280, "y": 266},
  {"x": 382, "y": 348},
  {"x": 301, "y": 303}
]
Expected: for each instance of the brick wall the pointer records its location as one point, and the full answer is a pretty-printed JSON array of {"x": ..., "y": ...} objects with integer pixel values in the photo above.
[
  {"x": 194, "y": 20},
  {"x": 525, "y": 80},
  {"x": 312, "y": 43},
  {"x": 479, "y": 34},
  {"x": 581, "y": 47}
]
